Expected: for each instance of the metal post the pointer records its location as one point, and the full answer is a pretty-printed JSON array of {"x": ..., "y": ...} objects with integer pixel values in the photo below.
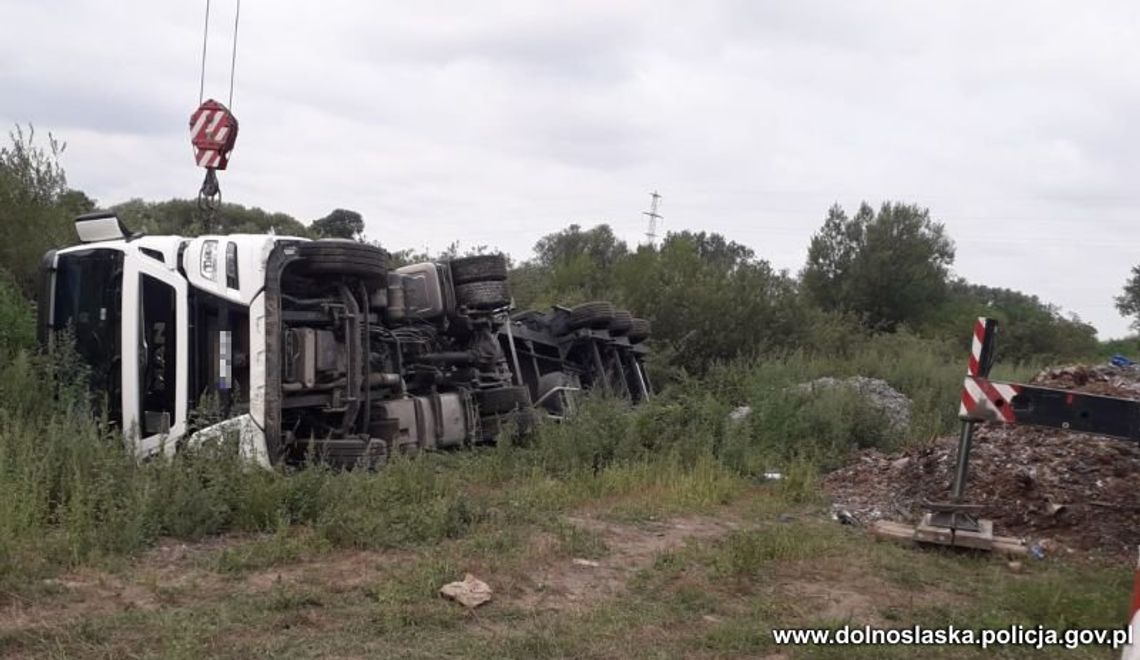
[
  {"x": 964, "y": 442},
  {"x": 599, "y": 367},
  {"x": 515, "y": 354}
]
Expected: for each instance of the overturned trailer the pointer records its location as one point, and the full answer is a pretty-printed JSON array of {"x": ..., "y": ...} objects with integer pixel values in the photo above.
[
  {"x": 318, "y": 347},
  {"x": 589, "y": 346}
]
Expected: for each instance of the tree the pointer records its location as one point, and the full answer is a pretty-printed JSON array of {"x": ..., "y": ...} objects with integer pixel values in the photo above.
[
  {"x": 36, "y": 206},
  {"x": 341, "y": 223},
  {"x": 1032, "y": 330},
  {"x": 575, "y": 265},
  {"x": 831, "y": 254},
  {"x": 1128, "y": 302},
  {"x": 184, "y": 218},
  {"x": 891, "y": 269}
]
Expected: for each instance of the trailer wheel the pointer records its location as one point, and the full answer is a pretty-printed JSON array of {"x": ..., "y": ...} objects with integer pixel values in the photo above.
[
  {"x": 621, "y": 323},
  {"x": 502, "y": 400},
  {"x": 483, "y": 295},
  {"x": 638, "y": 330},
  {"x": 338, "y": 256},
  {"x": 596, "y": 314},
  {"x": 480, "y": 268}
]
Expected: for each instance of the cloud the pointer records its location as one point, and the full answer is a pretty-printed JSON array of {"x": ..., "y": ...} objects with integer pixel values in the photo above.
[{"x": 495, "y": 123}]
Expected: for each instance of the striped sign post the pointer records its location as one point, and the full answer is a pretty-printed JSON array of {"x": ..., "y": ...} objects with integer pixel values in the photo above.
[
  {"x": 976, "y": 391},
  {"x": 983, "y": 399}
]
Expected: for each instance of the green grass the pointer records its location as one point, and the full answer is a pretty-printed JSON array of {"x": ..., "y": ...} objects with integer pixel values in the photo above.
[{"x": 317, "y": 562}]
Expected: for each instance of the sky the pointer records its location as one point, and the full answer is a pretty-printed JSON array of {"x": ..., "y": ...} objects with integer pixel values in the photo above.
[{"x": 494, "y": 123}]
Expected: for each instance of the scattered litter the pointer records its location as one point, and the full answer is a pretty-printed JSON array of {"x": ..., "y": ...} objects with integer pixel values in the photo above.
[
  {"x": 1016, "y": 566},
  {"x": 471, "y": 592},
  {"x": 1078, "y": 490},
  {"x": 843, "y": 516},
  {"x": 740, "y": 414},
  {"x": 774, "y": 476},
  {"x": 1037, "y": 551},
  {"x": 586, "y": 562}
]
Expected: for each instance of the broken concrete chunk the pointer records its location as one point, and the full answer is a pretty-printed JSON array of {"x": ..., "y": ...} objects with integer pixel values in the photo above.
[{"x": 471, "y": 592}]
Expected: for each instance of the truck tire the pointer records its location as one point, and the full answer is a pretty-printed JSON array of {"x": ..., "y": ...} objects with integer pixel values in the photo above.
[
  {"x": 339, "y": 256},
  {"x": 638, "y": 330},
  {"x": 480, "y": 268},
  {"x": 502, "y": 400},
  {"x": 621, "y": 323},
  {"x": 596, "y": 314},
  {"x": 483, "y": 295}
]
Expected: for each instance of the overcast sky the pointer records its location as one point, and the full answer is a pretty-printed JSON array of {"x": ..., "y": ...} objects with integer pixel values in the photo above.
[{"x": 1016, "y": 123}]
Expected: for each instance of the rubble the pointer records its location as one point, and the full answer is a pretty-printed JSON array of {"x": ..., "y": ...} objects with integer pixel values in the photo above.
[
  {"x": 471, "y": 592},
  {"x": 1055, "y": 489},
  {"x": 894, "y": 405}
]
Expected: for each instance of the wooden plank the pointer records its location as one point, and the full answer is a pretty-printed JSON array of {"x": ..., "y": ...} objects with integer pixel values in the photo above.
[
  {"x": 895, "y": 531},
  {"x": 984, "y": 540}
]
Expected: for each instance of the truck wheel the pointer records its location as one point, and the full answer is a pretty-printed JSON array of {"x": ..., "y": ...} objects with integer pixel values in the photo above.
[
  {"x": 638, "y": 330},
  {"x": 480, "y": 268},
  {"x": 621, "y": 323},
  {"x": 338, "y": 256},
  {"x": 502, "y": 400},
  {"x": 597, "y": 314},
  {"x": 483, "y": 295}
]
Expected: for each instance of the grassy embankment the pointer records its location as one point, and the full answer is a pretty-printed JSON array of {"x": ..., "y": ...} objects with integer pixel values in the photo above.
[{"x": 697, "y": 554}]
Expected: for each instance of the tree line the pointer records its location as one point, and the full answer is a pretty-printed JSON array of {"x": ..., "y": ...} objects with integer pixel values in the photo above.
[{"x": 710, "y": 299}]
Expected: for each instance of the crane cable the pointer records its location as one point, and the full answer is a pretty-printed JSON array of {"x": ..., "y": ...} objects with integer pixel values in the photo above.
[
  {"x": 209, "y": 195},
  {"x": 233, "y": 54}
]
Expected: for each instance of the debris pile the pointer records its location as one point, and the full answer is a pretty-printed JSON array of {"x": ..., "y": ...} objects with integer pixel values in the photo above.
[
  {"x": 1068, "y": 491},
  {"x": 894, "y": 405}
]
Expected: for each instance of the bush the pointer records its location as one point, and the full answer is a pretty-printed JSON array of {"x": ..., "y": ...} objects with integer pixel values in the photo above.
[{"x": 17, "y": 319}]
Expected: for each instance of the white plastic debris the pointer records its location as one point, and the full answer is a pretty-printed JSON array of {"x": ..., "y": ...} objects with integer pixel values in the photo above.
[{"x": 739, "y": 414}]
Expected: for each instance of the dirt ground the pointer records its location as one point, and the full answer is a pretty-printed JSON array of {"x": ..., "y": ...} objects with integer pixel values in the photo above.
[{"x": 591, "y": 583}]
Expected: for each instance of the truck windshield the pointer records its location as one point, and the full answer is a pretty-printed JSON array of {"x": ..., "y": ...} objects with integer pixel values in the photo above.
[{"x": 88, "y": 299}]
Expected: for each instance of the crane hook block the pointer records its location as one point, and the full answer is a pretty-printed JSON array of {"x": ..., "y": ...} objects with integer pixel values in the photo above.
[{"x": 213, "y": 131}]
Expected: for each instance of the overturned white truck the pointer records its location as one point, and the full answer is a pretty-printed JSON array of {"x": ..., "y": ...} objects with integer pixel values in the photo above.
[{"x": 316, "y": 348}]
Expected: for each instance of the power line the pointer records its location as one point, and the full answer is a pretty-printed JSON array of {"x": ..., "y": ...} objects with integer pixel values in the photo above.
[{"x": 654, "y": 216}]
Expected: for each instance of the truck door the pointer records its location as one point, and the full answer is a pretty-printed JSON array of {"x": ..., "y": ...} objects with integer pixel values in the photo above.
[{"x": 155, "y": 324}]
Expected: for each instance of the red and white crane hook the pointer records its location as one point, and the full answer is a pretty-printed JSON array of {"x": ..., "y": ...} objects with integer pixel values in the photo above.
[{"x": 213, "y": 127}]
